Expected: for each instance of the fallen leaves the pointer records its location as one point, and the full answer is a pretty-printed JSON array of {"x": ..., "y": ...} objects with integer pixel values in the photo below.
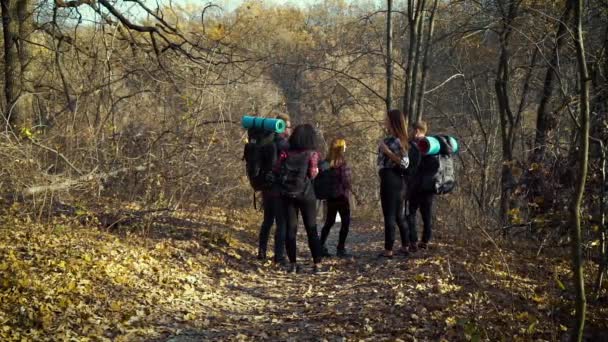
[{"x": 78, "y": 283}]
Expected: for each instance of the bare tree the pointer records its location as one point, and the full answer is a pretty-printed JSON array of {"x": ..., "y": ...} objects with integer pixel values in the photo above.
[
  {"x": 507, "y": 117},
  {"x": 545, "y": 119},
  {"x": 425, "y": 63},
  {"x": 389, "y": 55},
  {"x": 12, "y": 10},
  {"x": 575, "y": 206},
  {"x": 415, "y": 19}
]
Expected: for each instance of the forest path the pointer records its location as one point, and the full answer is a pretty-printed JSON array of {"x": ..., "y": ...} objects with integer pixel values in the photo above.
[{"x": 363, "y": 297}]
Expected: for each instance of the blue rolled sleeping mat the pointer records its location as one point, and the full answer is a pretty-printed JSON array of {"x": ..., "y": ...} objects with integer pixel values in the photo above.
[
  {"x": 435, "y": 144},
  {"x": 267, "y": 124}
]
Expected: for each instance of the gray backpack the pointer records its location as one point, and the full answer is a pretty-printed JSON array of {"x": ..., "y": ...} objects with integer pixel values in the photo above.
[{"x": 439, "y": 174}]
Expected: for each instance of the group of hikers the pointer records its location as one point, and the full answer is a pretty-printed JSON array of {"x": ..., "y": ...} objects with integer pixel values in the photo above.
[{"x": 292, "y": 178}]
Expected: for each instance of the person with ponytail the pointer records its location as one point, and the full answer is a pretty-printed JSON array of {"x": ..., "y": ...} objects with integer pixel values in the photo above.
[
  {"x": 339, "y": 201},
  {"x": 392, "y": 163}
]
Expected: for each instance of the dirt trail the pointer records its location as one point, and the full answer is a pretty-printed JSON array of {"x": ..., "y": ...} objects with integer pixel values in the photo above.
[{"x": 364, "y": 297}]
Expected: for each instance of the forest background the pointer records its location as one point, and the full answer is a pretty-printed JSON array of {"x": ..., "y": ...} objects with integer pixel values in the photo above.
[{"x": 116, "y": 112}]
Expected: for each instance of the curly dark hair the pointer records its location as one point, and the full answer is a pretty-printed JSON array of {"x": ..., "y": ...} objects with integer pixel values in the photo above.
[{"x": 304, "y": 137}]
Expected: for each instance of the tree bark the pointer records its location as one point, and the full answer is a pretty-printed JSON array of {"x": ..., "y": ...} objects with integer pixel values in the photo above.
[
  {"x": 417, "y": 62},
  {"x": 389, "y": 56},
  {"x": 12, "y": 84},
  {"x": 17, "y": 26},
  {"x": 575, "y": 206},
  {"x": 425, "y": 63},
  {"x": 24, "y": 14},
  {"x": 413, "y": 18},
  {"x": 544, "y": 116},
  {"x": 507, "y": 121}
]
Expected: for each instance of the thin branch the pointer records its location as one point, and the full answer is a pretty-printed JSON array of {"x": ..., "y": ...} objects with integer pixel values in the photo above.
[
  {"x": 443, "y": 83},
  {"x": 73, "y": 4},
  {"x": 124, "y": 20},
  {"x": 59, "y": 154}
]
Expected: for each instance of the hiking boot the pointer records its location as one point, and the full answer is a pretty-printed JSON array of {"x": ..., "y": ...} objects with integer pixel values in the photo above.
[
  {"x": 293, "y": 268},
  {"x": 325, "y": 252},
  {"x": 341, "y": 253},
  {"x": 413, "y": 248},
  {"x": 261, "y": 255},
  {"x": 423, "y": 245}
]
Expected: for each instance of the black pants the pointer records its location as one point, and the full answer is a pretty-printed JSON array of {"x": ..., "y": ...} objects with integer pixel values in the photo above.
[
  {"x": 334, "y": 206},
  {"x": 392, "y": 186},
  {"x": 273, "y": 212},
  {"x": 308, "y": 208},
  {"x": 424, "y": 202}
]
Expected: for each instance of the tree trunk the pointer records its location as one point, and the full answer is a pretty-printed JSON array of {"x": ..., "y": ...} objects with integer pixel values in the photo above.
[
  {"x": 416, "y": 67},
  {"x": 575, "y": 207},
  {"x": 413, "y": 17},
  {"x": 17, "y": 26},
  {"x": 389, "y": 56},
  {"x": 12, "y": 84},
  {"x": 418, "y": 22},
  {"x": 545, "y": 118},
  {"x": 507, "y": 121},
  {"x": 24, "y": 12},
  {"x": 425, "y": 63}
]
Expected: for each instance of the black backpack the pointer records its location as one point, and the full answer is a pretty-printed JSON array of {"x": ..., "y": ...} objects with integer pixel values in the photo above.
[
  {"x": 327, "y": 182},
  {"x": 437, "y": 171},
  {"x": 260, "y": 156},
  {"x": 293, "y": 174}
]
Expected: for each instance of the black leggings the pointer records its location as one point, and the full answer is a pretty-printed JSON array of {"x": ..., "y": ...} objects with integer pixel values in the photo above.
[
  {"x": 273, "y": 211},
  {"x": 334, "y": 206},
  {"x": 424, "y": 202},
  {"x": 392, "y": 187},
  {"x": 308, "y": 207}
]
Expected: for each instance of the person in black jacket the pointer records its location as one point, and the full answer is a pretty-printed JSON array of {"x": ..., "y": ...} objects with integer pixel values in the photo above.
[
  {"x": 418, "y": 198},
  {"x": 273, "y": 208}
]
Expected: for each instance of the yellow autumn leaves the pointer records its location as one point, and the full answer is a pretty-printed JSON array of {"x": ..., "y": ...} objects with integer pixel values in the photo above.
[{"x": 81, "y": 283}]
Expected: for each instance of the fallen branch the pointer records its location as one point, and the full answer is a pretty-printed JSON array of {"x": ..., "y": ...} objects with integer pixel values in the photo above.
[{"x": 69, "y": 183}]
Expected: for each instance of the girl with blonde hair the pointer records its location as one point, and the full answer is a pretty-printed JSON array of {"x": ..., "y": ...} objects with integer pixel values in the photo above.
[{"x": 339, "y": 201}]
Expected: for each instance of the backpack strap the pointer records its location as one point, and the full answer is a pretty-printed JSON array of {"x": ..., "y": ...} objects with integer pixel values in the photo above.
[{"x": 449, "y": 150}]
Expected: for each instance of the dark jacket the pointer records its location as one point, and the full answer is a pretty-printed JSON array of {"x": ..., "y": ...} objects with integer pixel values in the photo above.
[
  {"x": 426, "y": 167},
  {"x": 345, "y": 175}
]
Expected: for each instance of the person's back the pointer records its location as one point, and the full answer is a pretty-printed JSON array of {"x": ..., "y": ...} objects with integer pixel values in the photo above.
[
  {"x": 273, "y": 210},
  {"x": 427, "y": 166},
  {"x": 295, "y": 170},
  {"x": 420, "y": 198},
  {"x": 392, "y": 163},
  {"x": 339, "y": 200}
]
